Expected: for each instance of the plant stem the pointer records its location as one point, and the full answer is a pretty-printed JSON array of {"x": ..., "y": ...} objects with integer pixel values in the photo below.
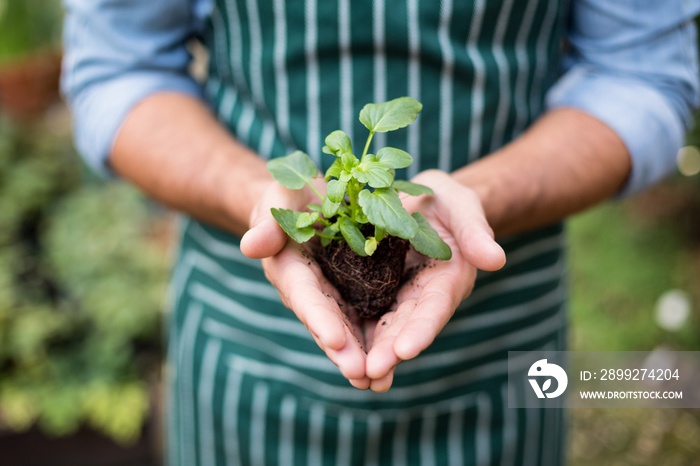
[
  {"x": 313, "y": 188},
  {"x": 369, "y": 140},
  {"x": 352, "y": 194}
]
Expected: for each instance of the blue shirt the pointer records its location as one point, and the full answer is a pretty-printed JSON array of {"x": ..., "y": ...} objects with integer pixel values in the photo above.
[{"x": 630, "y": 63}]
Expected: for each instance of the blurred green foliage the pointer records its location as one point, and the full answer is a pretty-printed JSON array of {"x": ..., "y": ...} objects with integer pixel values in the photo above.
[
  {"x": 28, "y": 25},
  {"x": 83, "y": 271},
  {"x": 634, "y": 437},
  {"x": 621, "y": 265},
  {"x": 623, "y": 257}
]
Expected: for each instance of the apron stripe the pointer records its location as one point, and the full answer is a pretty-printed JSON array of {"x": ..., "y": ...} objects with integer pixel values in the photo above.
[
  {"x": 380, "y": 74},
  {"x": 207, "y": 380},
  {"x": 446, "y": 86},
  {"x": 313, "y": 103},
  {"x": 503, "y": 72},
  {"x": 522, "y": 115},
  {"x": 414, "y": 84},
  {"x": 347, "y": 110},
  {"x": 479, "y": 81}
]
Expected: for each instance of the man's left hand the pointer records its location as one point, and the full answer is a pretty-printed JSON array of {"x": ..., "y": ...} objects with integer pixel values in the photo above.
[{"x": 427, "y": 302}]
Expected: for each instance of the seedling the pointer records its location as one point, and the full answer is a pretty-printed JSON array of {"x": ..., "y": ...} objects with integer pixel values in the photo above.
[{"x": 361, "y": 206}]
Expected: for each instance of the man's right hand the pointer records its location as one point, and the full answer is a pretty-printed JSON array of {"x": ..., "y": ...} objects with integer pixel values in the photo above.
[{"x": 301, "y": 284}]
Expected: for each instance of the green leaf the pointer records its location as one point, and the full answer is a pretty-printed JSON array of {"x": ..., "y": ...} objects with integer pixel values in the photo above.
[
  {"x": 348, "y": 160},
  {"x": 336, "y": 190},
  {"x": 287, "y": 219},
  {"x": 374, "y": 173},
  {"x": 383, "y": 209},
  {"x": 394, "y": 158},
  {"x": 329, "y": 208},
  {"x": 427, "y": 241},
  {"x": 306, "y": 219},
  {"x": 413, "y": 189},
  {"x": 314, "y": 207},
  {"x": 353, "y": 236},
  {"x": 334, "y": 170},
  {"x": 370, "y": 245},
  {"x": 328, "y": 234},
  {"x": 338, "y": 143},
  {"x": 388, "y": 116},
  {"x": 294, "y": 170}
]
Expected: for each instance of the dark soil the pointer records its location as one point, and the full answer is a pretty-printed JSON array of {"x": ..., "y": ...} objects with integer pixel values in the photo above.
[{"x": 368, "y": 284}]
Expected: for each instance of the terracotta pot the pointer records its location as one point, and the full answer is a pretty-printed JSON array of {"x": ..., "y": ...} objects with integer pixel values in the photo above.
[{"x": 30, "y": 85}]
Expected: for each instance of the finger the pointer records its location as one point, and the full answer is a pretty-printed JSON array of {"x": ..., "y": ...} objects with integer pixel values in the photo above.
[
  {"x": 301, "y": 291},
  {"x": 381, "y": 358},
  {"x": 350, "y": 360},
  {"x": 424, "y": 325},
  {"x": 480, "y": 249},
  {"x": 383, "y": 384},
  {"x": 425, "y": 306},
  {"x": 465, "y": 220},
  {"x": 264, "y": 239},
  {"x": 467, "y": 223},
  {"x": 434, "y": 307},
  {"x": 348, "y": 366},
  {"x": 361, "y": 384}
]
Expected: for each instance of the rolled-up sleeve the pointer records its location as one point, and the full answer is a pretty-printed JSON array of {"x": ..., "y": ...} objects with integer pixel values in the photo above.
[
  {"x": 633, "y": 65},
  {"x": 117, "y": 52}
]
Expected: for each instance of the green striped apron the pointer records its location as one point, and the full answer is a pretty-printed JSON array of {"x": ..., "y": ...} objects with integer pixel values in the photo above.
[{"x": 247, "y": 383}]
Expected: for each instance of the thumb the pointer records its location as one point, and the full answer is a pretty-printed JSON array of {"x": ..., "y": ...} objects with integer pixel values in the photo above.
[
  {"x": 264, "y": 239},
  {"x": 468, "y": 224},
  {"x": 480, "y": 249}
]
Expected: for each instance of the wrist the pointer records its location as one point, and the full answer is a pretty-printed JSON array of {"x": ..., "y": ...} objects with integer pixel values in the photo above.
[
  {"x": 239, "y": 178},
  {"x": 470, "y": 178}
]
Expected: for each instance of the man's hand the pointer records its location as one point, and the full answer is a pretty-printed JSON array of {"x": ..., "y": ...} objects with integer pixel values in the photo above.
[
  {"x": 428, "y": 301},
  {"x": 301, "y": 284}
]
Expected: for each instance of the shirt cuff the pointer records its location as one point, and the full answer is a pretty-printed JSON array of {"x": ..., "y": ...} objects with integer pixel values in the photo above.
[
  {"x": 100, "y": 110},
  {"x": 640, "y": 115}
]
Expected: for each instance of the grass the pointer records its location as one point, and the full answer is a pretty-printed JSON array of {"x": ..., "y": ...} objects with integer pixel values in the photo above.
[
  {"x": 620, "y": 266},
  {"x": 623, "y": 257}
]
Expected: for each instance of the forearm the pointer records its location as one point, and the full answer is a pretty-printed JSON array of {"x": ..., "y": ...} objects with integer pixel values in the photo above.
[
  {"x": 173, "y": 148},
  {"x": 566, "y": 162}
]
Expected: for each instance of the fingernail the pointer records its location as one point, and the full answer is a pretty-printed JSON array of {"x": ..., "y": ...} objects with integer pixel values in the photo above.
[{"x": 362, "y": 384}]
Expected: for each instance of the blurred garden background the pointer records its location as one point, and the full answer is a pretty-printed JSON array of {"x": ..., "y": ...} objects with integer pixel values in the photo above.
[{"x": 84, "y": 270}]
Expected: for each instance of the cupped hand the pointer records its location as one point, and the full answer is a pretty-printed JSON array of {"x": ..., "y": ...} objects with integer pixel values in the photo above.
[
  {"x": 301, "y": 283},
  {"x": 426, "y": 303}
]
